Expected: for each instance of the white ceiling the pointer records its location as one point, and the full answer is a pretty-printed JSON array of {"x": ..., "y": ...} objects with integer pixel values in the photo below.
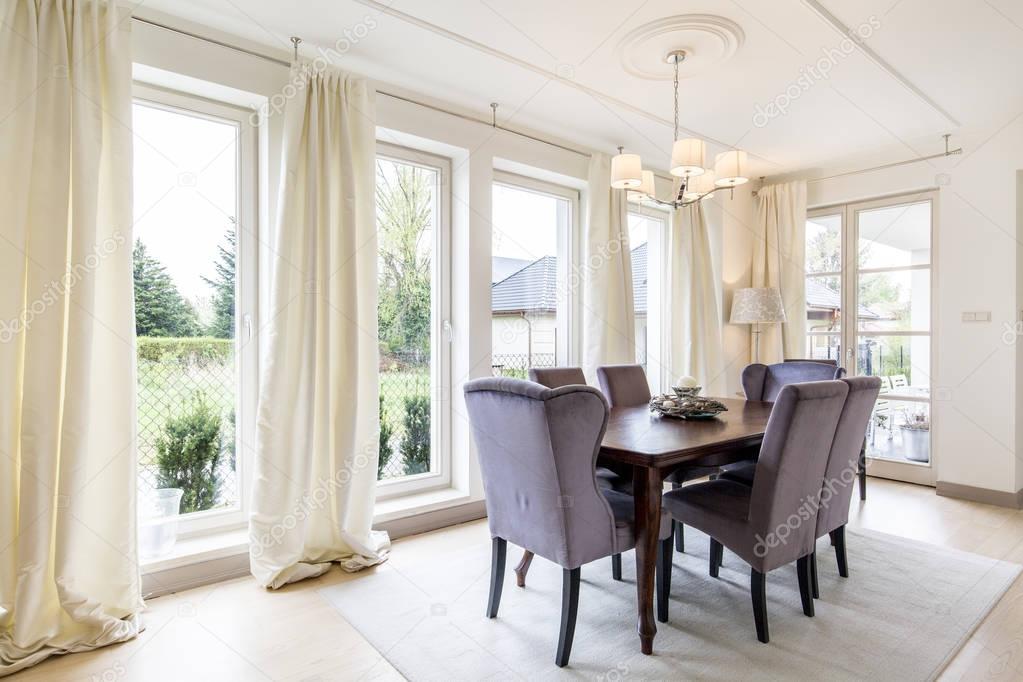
[{"x": 927, "y": 66}]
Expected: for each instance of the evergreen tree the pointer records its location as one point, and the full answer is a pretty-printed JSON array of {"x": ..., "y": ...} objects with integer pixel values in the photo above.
[
  {"x": 160, "y": 310},
  {"x": 222, "y": 326}
]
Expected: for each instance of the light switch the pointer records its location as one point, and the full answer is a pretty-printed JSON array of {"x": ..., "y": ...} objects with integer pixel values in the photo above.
[{"x": 977, "y": 316}]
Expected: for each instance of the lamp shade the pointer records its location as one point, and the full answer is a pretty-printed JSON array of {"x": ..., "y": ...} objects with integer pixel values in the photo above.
[
  {"x": 730, "y": 167},
  {"x": 700, "y": 186},
  {"x": 646, "y": 189},
  {"x": 626, "y": 171},
  {"x": 756, "y": 306},
  {"x": 687, "y": 157}
]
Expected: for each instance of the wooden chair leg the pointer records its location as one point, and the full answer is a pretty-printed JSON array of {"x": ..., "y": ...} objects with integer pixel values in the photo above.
[
  {"x": 663, "y": 578},
  {"x": 716, "y": 557},
  {"x": 678, "y": 531},
  {"x": 862, "y": 470},
  {"x": 497, "y": 556},
  {"x": 805, "y": 583},
  {"x": 523, "y": 568},
  {"x": 616, "y": 566},
  {"x": 569, "y": 610},
  {"x": 838, "y": 540},
  {"x": 758, "y": 590},
  {"x": 813, "y": 576}
]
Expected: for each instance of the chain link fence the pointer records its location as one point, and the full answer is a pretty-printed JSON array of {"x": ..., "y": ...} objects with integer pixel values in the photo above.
[
  {"x": 516, "y": 365},
  {"x": 187, "y": 386},
  {"x": 405, "y": 407}
]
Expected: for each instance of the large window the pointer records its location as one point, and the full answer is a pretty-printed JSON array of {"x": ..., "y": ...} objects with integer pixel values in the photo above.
[
  {"x": 874, "y": 258},
  {"x": 647, "y": 239},
  {"x": 194, "y": 251},
  {"x": 412, "y": 231},
  {"x": 531, "y": 295}
]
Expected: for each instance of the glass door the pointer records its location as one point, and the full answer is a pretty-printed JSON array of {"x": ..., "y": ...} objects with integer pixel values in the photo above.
[{"x": 875, "y": 258}]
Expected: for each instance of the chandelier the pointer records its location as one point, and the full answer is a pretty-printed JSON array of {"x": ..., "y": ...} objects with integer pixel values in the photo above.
[{"x": 687, "y": 163}]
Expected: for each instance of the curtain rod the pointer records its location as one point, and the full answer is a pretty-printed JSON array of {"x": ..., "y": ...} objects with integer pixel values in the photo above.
[{"x": 493, "y": 123}]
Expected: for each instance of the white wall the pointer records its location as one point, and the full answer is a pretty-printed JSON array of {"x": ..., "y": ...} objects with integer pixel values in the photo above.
[{"x": 976, "y": 259}]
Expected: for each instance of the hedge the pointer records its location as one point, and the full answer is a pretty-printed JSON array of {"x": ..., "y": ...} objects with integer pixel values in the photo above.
[{"x": 187, "y": 350}]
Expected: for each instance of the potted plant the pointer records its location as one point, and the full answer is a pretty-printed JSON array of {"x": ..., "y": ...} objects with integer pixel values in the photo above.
[{"x": 916, "y": 437}]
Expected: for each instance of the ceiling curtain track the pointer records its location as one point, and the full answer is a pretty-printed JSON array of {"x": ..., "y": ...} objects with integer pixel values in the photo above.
[{"x": 282, "y": 62}]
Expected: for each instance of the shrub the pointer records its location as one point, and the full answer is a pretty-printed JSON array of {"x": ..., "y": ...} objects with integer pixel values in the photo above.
[
  {"x": 186, "y": 350},
  {"x": 415, "y": 446},
  {"x": 386, "y": 449},
  {"x": 187, "y": 455}
]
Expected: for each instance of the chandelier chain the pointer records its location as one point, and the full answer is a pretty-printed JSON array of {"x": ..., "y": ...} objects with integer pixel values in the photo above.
[{"x": 676, "y": 99}]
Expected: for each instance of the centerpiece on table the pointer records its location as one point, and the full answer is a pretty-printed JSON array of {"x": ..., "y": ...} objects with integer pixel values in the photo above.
[{"x": 685, "y": 402}]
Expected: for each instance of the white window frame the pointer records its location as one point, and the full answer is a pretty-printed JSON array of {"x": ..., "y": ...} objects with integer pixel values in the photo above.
[
  {"x": 246, "y": 296},
  {"x": 658, "y": 341},
  {"x": 439, "y": 475},
  {"x": 913, "y": 472},
  {"x": 569, "y": 299}
]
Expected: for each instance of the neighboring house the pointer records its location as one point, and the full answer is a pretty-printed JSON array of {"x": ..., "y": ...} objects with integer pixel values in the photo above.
[
  {"x": 822, "y": 315},
  {"x": 524, "y": 300}
]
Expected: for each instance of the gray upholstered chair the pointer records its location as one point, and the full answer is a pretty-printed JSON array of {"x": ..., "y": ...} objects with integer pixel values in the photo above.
[
  {"x": 836, "y": 493},
  {"x": 627, "y": 386},
  {"x": 762, "y": 382},
  {"x": 556, "y": 377},
  {"x": 538, "y": 452},
  {"x": 755, "y": 521}
]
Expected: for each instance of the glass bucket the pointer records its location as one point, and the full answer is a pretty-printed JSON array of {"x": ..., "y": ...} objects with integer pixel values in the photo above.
[{"x": 158, "y": 522}]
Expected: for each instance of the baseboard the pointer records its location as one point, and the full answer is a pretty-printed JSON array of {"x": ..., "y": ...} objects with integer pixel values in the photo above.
[
  {"x": 434, "y": 520},
  {"x": 998, "y": 498}
]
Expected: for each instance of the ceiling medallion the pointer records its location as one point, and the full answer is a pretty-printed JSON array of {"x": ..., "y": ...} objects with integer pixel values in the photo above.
[{"x": 708, "y": 40}]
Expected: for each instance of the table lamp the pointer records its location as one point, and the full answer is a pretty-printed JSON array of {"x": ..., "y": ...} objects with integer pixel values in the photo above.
[{"x": 757, "y": 306}]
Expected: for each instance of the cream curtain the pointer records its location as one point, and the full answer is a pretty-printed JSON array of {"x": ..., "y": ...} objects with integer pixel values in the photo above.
[
  {"x": 779, "y": 261},
  {"x": 317, "y": 431},
  {"x": 69, "y": 577},
  {"x": 608, "y": 315},
  {"x": 694, "y": 303}
]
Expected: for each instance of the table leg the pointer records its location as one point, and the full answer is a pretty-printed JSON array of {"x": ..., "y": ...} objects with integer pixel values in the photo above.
[{"x": 647, "y": 483}]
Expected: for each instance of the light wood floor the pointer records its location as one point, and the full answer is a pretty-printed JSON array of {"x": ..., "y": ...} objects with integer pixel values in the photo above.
[{"x": 237, "y": 631}]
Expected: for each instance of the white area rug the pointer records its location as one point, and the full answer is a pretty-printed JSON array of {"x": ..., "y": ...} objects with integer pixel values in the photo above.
[{"x": 905, "y": 610}]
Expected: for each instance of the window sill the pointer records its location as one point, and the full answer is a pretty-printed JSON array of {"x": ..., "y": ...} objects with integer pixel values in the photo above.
[
  {"x": 196, "y": 549},
  {"x": 395, "y": 508}
]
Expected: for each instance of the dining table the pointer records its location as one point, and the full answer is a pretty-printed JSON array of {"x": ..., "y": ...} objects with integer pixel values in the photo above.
[{"x": 655, "y": 446}]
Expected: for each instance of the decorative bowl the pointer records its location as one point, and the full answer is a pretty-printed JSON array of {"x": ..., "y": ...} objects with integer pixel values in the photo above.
[{"x": 686, "y": 406}]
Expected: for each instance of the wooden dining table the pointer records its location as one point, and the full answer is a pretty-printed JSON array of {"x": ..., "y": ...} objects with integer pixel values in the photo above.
[{"x": 655, "y": 446}]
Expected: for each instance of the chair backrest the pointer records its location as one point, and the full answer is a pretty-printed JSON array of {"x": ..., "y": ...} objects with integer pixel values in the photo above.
[
  {"x": 538, "y": 452},
  {"x": 624, "y": 385},
  {"x": 843, "y": 462},
  {"x": 899, "y": 381},
  {"x": 764, "y": 382},
  {"x": 556, "y": 377},
  {"x": 793, "y": 459}
]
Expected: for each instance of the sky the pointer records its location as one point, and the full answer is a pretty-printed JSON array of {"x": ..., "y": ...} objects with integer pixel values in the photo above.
[{"x": 185, "y": 184}]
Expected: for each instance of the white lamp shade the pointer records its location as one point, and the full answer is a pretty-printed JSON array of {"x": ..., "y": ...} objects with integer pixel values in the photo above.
[
  {"x": 646, "y": 189},
  {"x": 626, "y": 171},
  {"x": 700, "y": 186},
  {"x": 730, "y": 167},
  {"x": 687, "y": 157},
  {"x": 757, "y": 306}
]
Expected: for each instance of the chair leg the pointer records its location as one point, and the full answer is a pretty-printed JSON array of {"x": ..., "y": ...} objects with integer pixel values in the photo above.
[
  {"x": 678, "y": 531},
  {"x": 838, "y": 540},
  {"x": 805, "y": 583},
  {"x": 663, "y": 577},
  {"x": 813, "y": 576},
  {"x": 862, "y": 470},
  {"x": 497, "y": 556},
  {"x": 758, "y": 590},
  {"x": 569, "y": 610},
  {"x": 716, "y": 554},
  {"x": 616, "y": 566},
  {"x": 523, "y": 568}
]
